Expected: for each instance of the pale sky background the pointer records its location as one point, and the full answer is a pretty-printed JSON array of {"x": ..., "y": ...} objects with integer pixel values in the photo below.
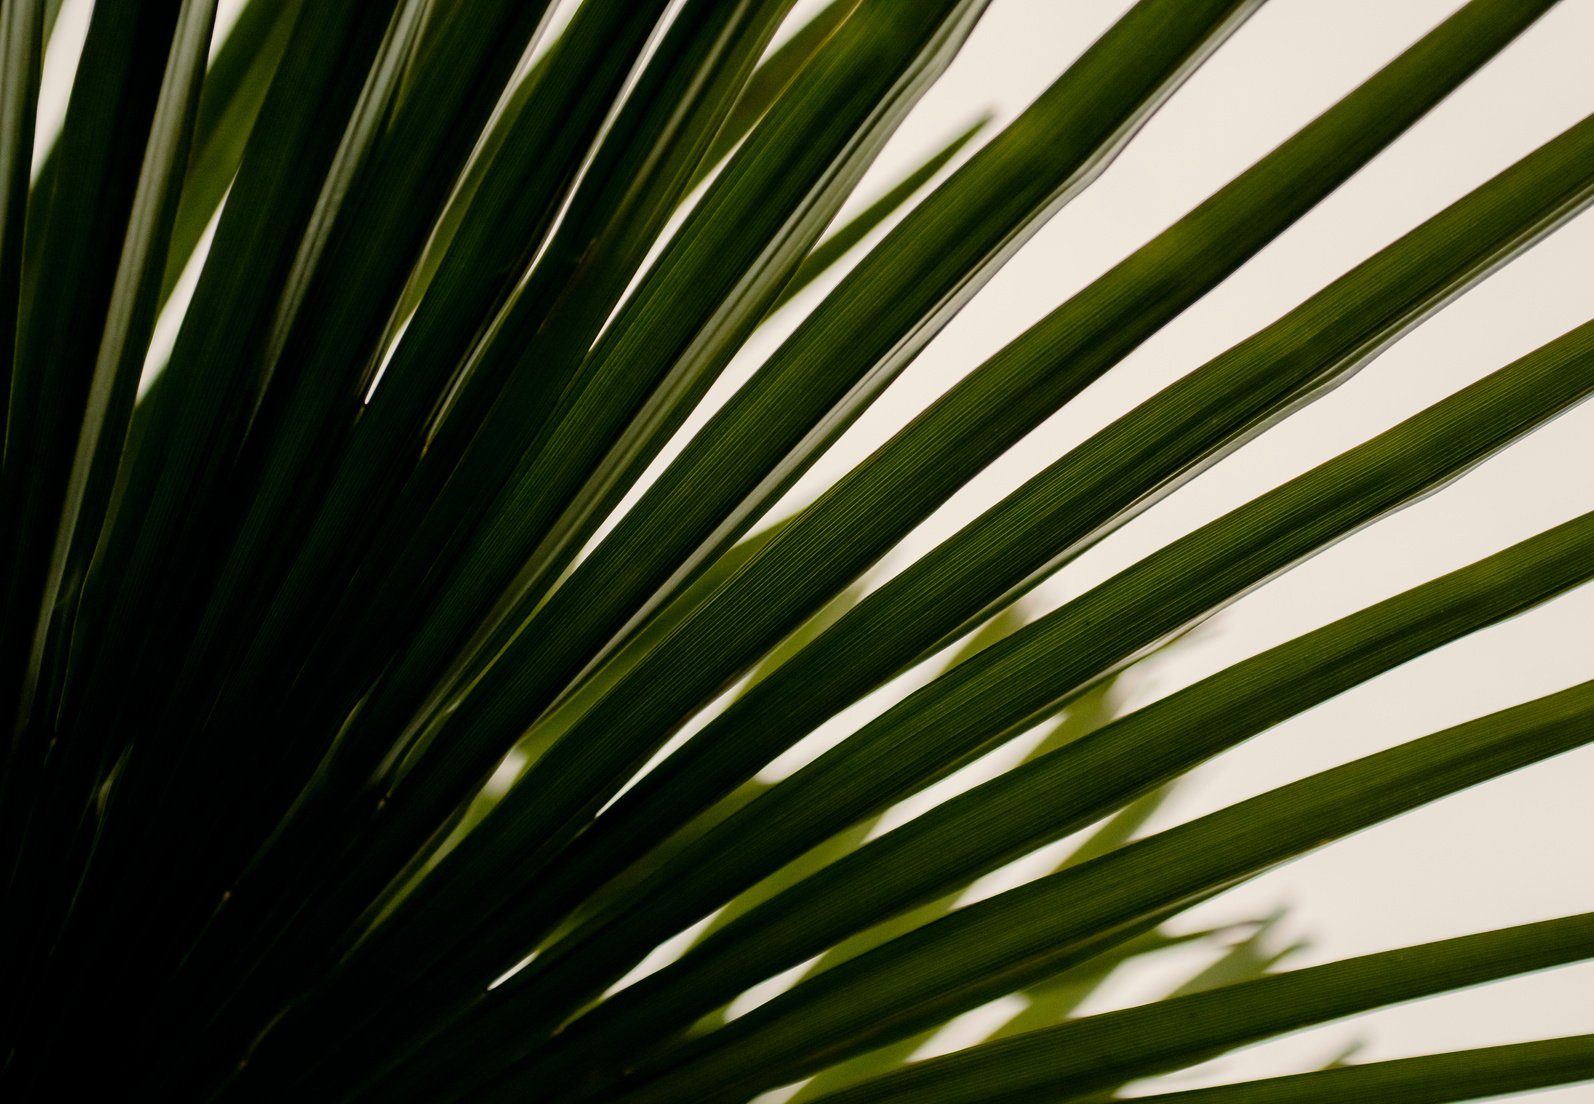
[{"x": 1515, "y": 850}]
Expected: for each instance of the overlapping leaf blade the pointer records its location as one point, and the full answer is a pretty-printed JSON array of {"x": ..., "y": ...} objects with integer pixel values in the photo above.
[
  {"x": 1430, "y": 1079},
  {"x": 20, "y": 48},
  {"x": 235, "y": 88}
]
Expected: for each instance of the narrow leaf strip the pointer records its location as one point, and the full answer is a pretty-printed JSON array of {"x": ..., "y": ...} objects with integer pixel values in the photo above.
[
  {"x": 235, "y": 88},
  {"x": 1430, "y": 1079},
  {"x": 1051, "y": 1002},
  {"x": 771, "y": 79},
  {"x": 20, "y": 52},
  {"x": 839, "y": 242}
]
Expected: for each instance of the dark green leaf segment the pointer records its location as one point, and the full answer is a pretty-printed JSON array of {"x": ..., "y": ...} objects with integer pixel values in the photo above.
[{"x": 1430, "y": 1079}]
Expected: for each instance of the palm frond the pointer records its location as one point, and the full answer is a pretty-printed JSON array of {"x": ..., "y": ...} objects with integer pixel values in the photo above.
[{"x": 404, "y": 675}]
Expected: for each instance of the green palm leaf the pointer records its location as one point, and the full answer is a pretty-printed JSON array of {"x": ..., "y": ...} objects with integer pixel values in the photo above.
[{"x": 421, "y": 687}]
